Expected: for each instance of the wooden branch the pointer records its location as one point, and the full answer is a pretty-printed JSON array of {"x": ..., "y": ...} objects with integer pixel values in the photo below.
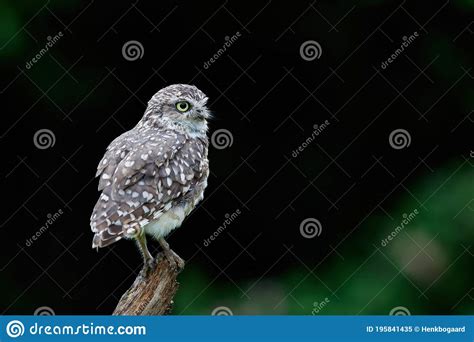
[{"x": 152, "y": 295}]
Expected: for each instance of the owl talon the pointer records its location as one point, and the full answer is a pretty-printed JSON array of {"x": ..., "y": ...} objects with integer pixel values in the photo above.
[
  {"x": 148, "y": 267},
  {"x": 174, "y": 259}
]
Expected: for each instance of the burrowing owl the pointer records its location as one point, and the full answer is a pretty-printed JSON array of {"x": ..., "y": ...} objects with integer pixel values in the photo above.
[{"x": 152, "y": 176}]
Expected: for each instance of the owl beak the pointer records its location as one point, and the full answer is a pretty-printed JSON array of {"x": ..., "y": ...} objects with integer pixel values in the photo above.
[{"x": 200, "y": 114}]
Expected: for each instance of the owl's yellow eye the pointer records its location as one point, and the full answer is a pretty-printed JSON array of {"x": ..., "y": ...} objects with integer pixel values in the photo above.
[{"x": 183, "y": 106}]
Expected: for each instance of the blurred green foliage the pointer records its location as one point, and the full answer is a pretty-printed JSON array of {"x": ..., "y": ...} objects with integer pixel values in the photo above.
[
  {"x": 367, "y": 278},
  {"x": 372, "y": 278}
]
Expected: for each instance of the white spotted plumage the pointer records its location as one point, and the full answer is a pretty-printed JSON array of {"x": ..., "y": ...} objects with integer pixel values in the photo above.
[{"x": 152, "y": 176}]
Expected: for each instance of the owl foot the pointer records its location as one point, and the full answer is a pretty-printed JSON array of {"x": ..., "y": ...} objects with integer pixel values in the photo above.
[
  {"x": 148, "y": 267},
  {"x": 174, "y": 259}
]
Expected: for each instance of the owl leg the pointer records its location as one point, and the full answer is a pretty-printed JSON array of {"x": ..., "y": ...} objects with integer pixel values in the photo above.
[
  {"x": 173, "y": 258},
  {"x": 148, "y": 260}
]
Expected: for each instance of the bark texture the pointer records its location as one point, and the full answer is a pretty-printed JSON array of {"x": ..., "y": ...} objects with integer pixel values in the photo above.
[{"x": 150, "y": 295}]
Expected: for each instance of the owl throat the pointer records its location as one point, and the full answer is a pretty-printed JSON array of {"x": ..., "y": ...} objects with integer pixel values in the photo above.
[{"x": 191, "y": 127}]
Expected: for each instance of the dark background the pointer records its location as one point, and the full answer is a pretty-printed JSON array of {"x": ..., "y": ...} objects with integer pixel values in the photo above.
[{"x": 269, "y": 98}]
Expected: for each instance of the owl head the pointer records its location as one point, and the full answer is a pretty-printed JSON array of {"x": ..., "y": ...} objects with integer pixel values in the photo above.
[{"x": 181, "y": 105}]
